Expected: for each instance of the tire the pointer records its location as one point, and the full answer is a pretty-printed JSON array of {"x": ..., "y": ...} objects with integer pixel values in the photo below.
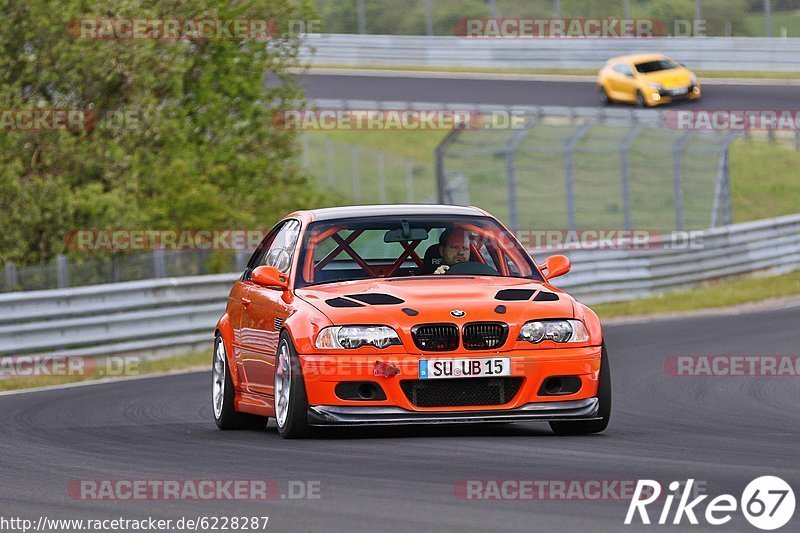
[
  {"x": 640, "y": 101},
  {"x": 583, "y": 427},
  {"x": 223, "y": 395},
  {"x": 291, "y": 402},
  {"x": 604, "y": 99}
]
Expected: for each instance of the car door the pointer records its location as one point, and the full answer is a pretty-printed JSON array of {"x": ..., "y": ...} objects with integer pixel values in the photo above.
[
  {"x": 264, "y": 311},
  {"x": 625, "y": 81}
]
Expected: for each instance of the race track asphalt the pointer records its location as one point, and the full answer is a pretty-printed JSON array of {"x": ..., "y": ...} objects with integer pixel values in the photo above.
[
  {"x": 723, "y": 431},
  {"x": 528, "y": 92}
]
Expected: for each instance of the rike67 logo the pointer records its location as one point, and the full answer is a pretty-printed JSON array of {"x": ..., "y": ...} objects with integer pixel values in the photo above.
[{"x": 767, "y": 503}]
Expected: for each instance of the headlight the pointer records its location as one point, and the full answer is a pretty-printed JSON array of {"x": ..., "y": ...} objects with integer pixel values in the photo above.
[
  {"x": 554, "y": 330},
  {"x": 657, "y": 86},
  {"x": 352, "y": 337}
]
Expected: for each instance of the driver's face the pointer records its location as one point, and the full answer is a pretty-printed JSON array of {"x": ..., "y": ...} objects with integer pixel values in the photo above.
[{"x": 456, "y": 250}]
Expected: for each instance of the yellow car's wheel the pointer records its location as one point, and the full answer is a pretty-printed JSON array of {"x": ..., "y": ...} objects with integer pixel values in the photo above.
[
  {"x": 640, "y": 101},
  {"x": 604, "y": 99}
]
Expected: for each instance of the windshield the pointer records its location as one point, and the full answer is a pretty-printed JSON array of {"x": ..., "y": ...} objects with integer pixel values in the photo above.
[
  {"x": 388, "y": 247},
  {"x": 655, "y": 66}
]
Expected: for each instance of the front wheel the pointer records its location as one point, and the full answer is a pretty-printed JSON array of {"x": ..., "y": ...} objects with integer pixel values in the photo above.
[
  {"x": 291, "y": 402},
  {"x": 604, "y": 99},
  {"x": 582, "y": 427},
  {"x": 223, "y": 395}
]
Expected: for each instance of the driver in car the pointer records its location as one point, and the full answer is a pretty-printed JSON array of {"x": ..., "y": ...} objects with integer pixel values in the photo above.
[{"x": 453, "y": 248}]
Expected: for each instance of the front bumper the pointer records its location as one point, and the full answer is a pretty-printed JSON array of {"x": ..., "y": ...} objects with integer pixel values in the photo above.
[
  {"x": 335, "y": 415},
  {"x": 666, "y": 97}
]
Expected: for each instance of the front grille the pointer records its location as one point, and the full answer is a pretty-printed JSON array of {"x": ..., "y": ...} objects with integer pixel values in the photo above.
[
  {"x": 435, "y": 337},
  {"x": 484, "y": 335},
  {"x": 460, "y": 392}
]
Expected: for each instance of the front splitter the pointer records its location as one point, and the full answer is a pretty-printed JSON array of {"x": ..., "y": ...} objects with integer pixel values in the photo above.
[{"x": 335, "y": 415}]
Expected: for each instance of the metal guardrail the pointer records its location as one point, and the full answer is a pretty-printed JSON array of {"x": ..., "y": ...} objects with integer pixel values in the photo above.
[
  {"x": 179, "y": 313},
  {"x": 703, "y": 53}
]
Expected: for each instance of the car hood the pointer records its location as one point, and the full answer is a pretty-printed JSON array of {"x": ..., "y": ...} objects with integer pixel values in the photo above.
[
  {"x": 433, "y": 299},
  {"x": 670, "y": 79}
]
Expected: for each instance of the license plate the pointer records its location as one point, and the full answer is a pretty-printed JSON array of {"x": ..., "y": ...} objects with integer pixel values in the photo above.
[
  {"x": 676, "y": 92},
  {"x": 464, "y": 368}
]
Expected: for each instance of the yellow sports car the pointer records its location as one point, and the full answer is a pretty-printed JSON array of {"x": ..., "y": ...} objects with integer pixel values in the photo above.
[{"x": 646, "y": 80}]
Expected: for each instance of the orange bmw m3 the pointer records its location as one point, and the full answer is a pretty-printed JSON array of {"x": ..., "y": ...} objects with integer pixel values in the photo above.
[{"x": 405, "y": 314}]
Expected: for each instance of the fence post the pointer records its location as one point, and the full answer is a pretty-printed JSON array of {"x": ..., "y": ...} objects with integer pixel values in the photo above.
[
  {"x": 159, "y": 268},
  {"x": 355, "y": 165},
  {"x": 409, "y": 181},
  {"x": 797, "y": 139},
  {"x": 361, "y": 17},
  {"x": 61, "y": 272},
  {"x": 329, "y": 162},
  {"x": 569, "y": 176},
  {"x": 625, "y": 175},
  {"x": 240, "y": 257},
  {"x": 511, "y": 173},
  {"x": 677, "y": 177},
  {"x": 439, "y": 153},
  {"x": 305, "y": 149},
  {"x": 11, "y": 276},
  {"x": 115, "y": 267},
  {"x": 381, "y": 179},
  {"x": 428, "y": 17}
]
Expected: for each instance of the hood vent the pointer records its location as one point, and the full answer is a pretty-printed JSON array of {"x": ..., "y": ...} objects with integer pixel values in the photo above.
[
  {"x": 376, "y": 298},
  {"x": 543, "y": 296},
  {"x": 521, "y": 295},
  {"x": 510, "y": 295},
  {"x": 342, "y": 302}
]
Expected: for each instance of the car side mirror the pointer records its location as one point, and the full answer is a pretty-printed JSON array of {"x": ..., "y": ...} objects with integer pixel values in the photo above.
[
  {"x": 270, "y": 277},
  {"x": 557, "y": 265}
]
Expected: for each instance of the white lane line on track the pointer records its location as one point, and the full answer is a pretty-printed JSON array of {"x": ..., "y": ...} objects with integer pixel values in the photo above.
[
  {"x": 101, "y": 381},
  {"x": 499, "y": 76}
]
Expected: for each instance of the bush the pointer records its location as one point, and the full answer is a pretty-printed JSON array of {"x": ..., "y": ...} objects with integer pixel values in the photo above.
[{"x": 204, "y": 153}]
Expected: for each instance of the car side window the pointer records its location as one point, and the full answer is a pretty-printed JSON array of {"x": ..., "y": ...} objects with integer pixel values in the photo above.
[
  {"x": 623, "y": 69},
  {"x": 281, "y": 238},
  {"x": 281, "y": 251}
]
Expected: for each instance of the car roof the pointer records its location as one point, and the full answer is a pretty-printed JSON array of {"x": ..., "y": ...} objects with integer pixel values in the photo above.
[
  {"x": 355, "y": 211},
  {"x": 637, "y": 58}
]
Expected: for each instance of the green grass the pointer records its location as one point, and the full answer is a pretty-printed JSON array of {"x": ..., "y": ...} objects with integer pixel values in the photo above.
[
  {"x": 764, "y": 180},
  {"x": 786, "y": 19},
  {"x": 138, "y": 367},
  {"x": 764, "y": 176},
  {"x": 724, "y": 74},
  {"x": 711, "y": 296}
]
